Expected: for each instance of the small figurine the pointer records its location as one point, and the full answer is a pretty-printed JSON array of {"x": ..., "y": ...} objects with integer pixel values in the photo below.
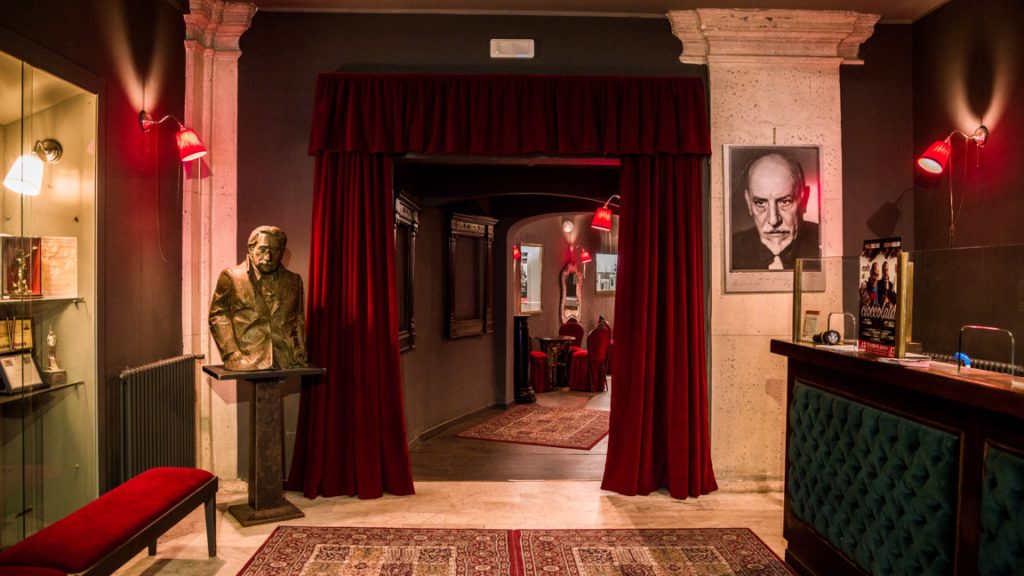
[{"x": 51, "y": 349}]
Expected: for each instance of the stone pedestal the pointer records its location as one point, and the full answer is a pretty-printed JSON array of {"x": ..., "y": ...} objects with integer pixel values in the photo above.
[{"x": 266, "y": 501}]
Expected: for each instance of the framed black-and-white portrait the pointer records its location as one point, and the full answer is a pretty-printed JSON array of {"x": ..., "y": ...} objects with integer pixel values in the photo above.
[{"x": 772, "y": 215}]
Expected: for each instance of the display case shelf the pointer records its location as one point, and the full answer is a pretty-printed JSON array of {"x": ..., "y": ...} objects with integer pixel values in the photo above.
[
  {"x": 29, "y": 301},
  {"x": 22, "y": 395}
]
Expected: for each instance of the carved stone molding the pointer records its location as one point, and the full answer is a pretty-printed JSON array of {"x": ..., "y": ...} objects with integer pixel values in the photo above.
[
  {"x": 217, "y": 24},
  {"x": 770, "y": 36}
]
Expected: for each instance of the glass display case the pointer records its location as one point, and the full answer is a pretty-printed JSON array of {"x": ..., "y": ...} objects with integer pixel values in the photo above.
[
  {"x": 937, "y": 303},
  {"x": 48, "y": 131}
]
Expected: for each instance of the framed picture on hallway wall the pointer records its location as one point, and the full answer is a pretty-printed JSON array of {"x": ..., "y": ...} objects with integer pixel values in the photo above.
[{"x": 772, "y": 216}]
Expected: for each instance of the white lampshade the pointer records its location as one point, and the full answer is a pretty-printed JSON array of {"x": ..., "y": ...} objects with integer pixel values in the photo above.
[{"x": 26, "y": 175}]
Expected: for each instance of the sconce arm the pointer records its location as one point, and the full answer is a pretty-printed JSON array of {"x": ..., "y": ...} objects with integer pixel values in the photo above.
[
  {"x": 979, "y": 136},
  {"x": 146, "y": 121}
]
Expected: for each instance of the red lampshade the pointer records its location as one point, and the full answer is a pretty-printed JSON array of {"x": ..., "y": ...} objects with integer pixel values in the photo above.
[
  {"x": 584, "y": 256},
  {"x": 935, "y": 157},
  {"x": 516, "y": 253},
  {"x": 190, "y": 146},
  {"x": 602, "y": 219}
]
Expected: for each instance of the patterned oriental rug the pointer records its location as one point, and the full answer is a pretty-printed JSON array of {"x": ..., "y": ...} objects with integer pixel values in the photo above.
[
  {"x": 309, "y": 551},
  {"x": 544, "y": 426}
]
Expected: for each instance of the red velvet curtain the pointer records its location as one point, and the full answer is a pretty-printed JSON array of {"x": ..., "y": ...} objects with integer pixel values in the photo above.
[
  {"x": 659, "y": 428},
  {"x": 351, "y": 436}
]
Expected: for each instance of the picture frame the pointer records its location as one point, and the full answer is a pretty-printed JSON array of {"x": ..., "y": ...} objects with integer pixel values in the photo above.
[
  {"x": 22, "y": 267},
  {"x": 59, "y": 266},
  {"x": 765, "y": 230},
  {"x": 470, "y": 297},
  {"x": 19, "y": 333},
  {"x": 5, "y": 337},
  {"x": 810, "y": 325},
  {"x": 607, "y": 267},
  {"x": 18, "y": 372},
  {"x": 407, "y": 223},
  {"x": 531, "y": 278}
]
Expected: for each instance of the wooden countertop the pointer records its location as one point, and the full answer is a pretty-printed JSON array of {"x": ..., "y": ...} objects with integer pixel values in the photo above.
[{"x": 970, "y": 387}]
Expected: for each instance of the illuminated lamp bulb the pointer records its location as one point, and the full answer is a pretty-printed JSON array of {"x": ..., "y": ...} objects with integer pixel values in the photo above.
[
  {"x": 935, "y": 157},
  {"x": 190, "y": 147},
  {"x": 26, "y": 175},
  {"x": 602, "y": 219},
  {"x": 516, "y": 252}
]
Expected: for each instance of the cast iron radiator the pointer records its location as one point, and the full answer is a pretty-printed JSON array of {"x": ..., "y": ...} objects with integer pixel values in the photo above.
[{"x": 158, "y": 415}]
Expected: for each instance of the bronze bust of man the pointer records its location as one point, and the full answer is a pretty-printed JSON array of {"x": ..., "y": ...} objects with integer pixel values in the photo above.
[{"x": 256, "y": 316}]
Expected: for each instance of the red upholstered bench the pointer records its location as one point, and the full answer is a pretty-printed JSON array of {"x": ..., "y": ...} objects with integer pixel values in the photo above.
[{"x": 109, "y": 531}]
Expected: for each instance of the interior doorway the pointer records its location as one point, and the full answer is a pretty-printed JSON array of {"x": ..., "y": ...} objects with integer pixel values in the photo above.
[{"x": 531, "y": 200}]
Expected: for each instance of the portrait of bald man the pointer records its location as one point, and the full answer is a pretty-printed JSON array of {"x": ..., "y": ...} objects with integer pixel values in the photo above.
[{"x": 770, "y": 198}]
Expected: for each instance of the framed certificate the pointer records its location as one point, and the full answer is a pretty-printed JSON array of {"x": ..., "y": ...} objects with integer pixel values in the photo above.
[
  {"x": 19, "y": 372},
  {"x": 5, "y": 337},
  {"x": 19, "y": 332}
]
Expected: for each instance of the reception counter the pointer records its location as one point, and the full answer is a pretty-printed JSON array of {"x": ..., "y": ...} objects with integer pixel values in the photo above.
[{"x": 898, "y": 470}]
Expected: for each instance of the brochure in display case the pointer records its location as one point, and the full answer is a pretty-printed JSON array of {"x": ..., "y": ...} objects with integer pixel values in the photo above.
[{"x": 878, "y": 296}]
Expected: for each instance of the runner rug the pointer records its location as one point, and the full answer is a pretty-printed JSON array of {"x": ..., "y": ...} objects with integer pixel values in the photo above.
[
  {"x": 301, "y": 550},
  {"x": 543, "y": 425}
]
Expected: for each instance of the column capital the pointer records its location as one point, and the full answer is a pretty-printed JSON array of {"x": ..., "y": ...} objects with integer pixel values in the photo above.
[
  {"x": 712, "y": 35},
  {"x": 217, "y": 24}
]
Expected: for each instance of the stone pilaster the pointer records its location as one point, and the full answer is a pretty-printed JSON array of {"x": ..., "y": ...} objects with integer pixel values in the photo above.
[
  {"x": 209, "y": 212},
  {"x": 773, "y": 77}
]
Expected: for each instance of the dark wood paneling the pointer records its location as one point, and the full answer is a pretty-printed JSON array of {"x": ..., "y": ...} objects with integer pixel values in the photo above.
[{"x": 980, "y": 407}]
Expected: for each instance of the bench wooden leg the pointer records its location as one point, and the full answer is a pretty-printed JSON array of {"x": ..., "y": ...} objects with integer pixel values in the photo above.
[
  {"x": 211, "y": 525},
  {"x": 152, "y": 548}
]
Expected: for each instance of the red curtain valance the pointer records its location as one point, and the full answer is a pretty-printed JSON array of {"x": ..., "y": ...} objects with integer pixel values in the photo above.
[{"x": 509, "y": 115}]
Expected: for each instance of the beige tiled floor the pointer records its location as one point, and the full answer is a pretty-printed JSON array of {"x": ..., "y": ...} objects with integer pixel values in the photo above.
[{"x": 533, "y": 504}]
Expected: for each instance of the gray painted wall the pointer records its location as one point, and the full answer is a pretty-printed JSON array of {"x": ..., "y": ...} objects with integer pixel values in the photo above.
[{"x": 281, "y": 57}]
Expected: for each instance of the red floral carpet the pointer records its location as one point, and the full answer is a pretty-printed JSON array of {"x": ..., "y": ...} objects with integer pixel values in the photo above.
[
  {"x": 543, "y": 425},
  {"x": 301, "y": 550}
]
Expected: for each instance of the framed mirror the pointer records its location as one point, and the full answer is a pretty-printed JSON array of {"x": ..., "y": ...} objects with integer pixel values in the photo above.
[
  {"x": 470, "y": 295},
  {"x": 407, "y": 222},
  {"x": 572, "y": 300},
  {"x": 531, "y": 260}
]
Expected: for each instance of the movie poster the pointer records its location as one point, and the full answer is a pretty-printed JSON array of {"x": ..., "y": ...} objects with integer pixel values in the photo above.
[{"x": 879, "y": 274}]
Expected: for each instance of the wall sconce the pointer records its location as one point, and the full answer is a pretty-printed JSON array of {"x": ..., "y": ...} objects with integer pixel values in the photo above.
[
  {"x": 584, "y": 256},
  {"x": 934, "y": 161},
  {"x": 603, "y": 216},
  {"x": 190, "y": 147},
  {"x": 936, "y": 156},
  {"x": 26, "y": 174},
  {"x": 568, "y": 226}
]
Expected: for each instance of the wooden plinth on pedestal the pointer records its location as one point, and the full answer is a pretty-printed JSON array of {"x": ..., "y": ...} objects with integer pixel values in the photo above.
[{"x": 266, "y": 501}]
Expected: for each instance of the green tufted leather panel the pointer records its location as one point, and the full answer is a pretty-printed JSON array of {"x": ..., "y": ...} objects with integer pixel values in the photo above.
[
  {"x": 1001, "y": 541},
  {"x": 880, "y": 488}
]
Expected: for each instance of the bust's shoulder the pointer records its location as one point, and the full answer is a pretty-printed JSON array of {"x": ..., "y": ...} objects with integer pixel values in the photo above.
[{"x": 290, "y": 276}]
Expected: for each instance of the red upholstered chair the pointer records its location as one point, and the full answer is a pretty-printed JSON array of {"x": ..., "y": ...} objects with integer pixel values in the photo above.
[
  {"x": 588, "y": 367},
  {"x": 573, "y": 328},
  {"x": 539, "y": 375}
]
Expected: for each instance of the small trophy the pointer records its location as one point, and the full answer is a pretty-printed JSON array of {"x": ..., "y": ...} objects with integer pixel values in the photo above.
[{"x": 52, "y": 373}]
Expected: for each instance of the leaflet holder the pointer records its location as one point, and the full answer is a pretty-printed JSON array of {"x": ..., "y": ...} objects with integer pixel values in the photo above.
[
  {"x": 960, "y": 349},
  {"x": 853, "y": 319}
]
